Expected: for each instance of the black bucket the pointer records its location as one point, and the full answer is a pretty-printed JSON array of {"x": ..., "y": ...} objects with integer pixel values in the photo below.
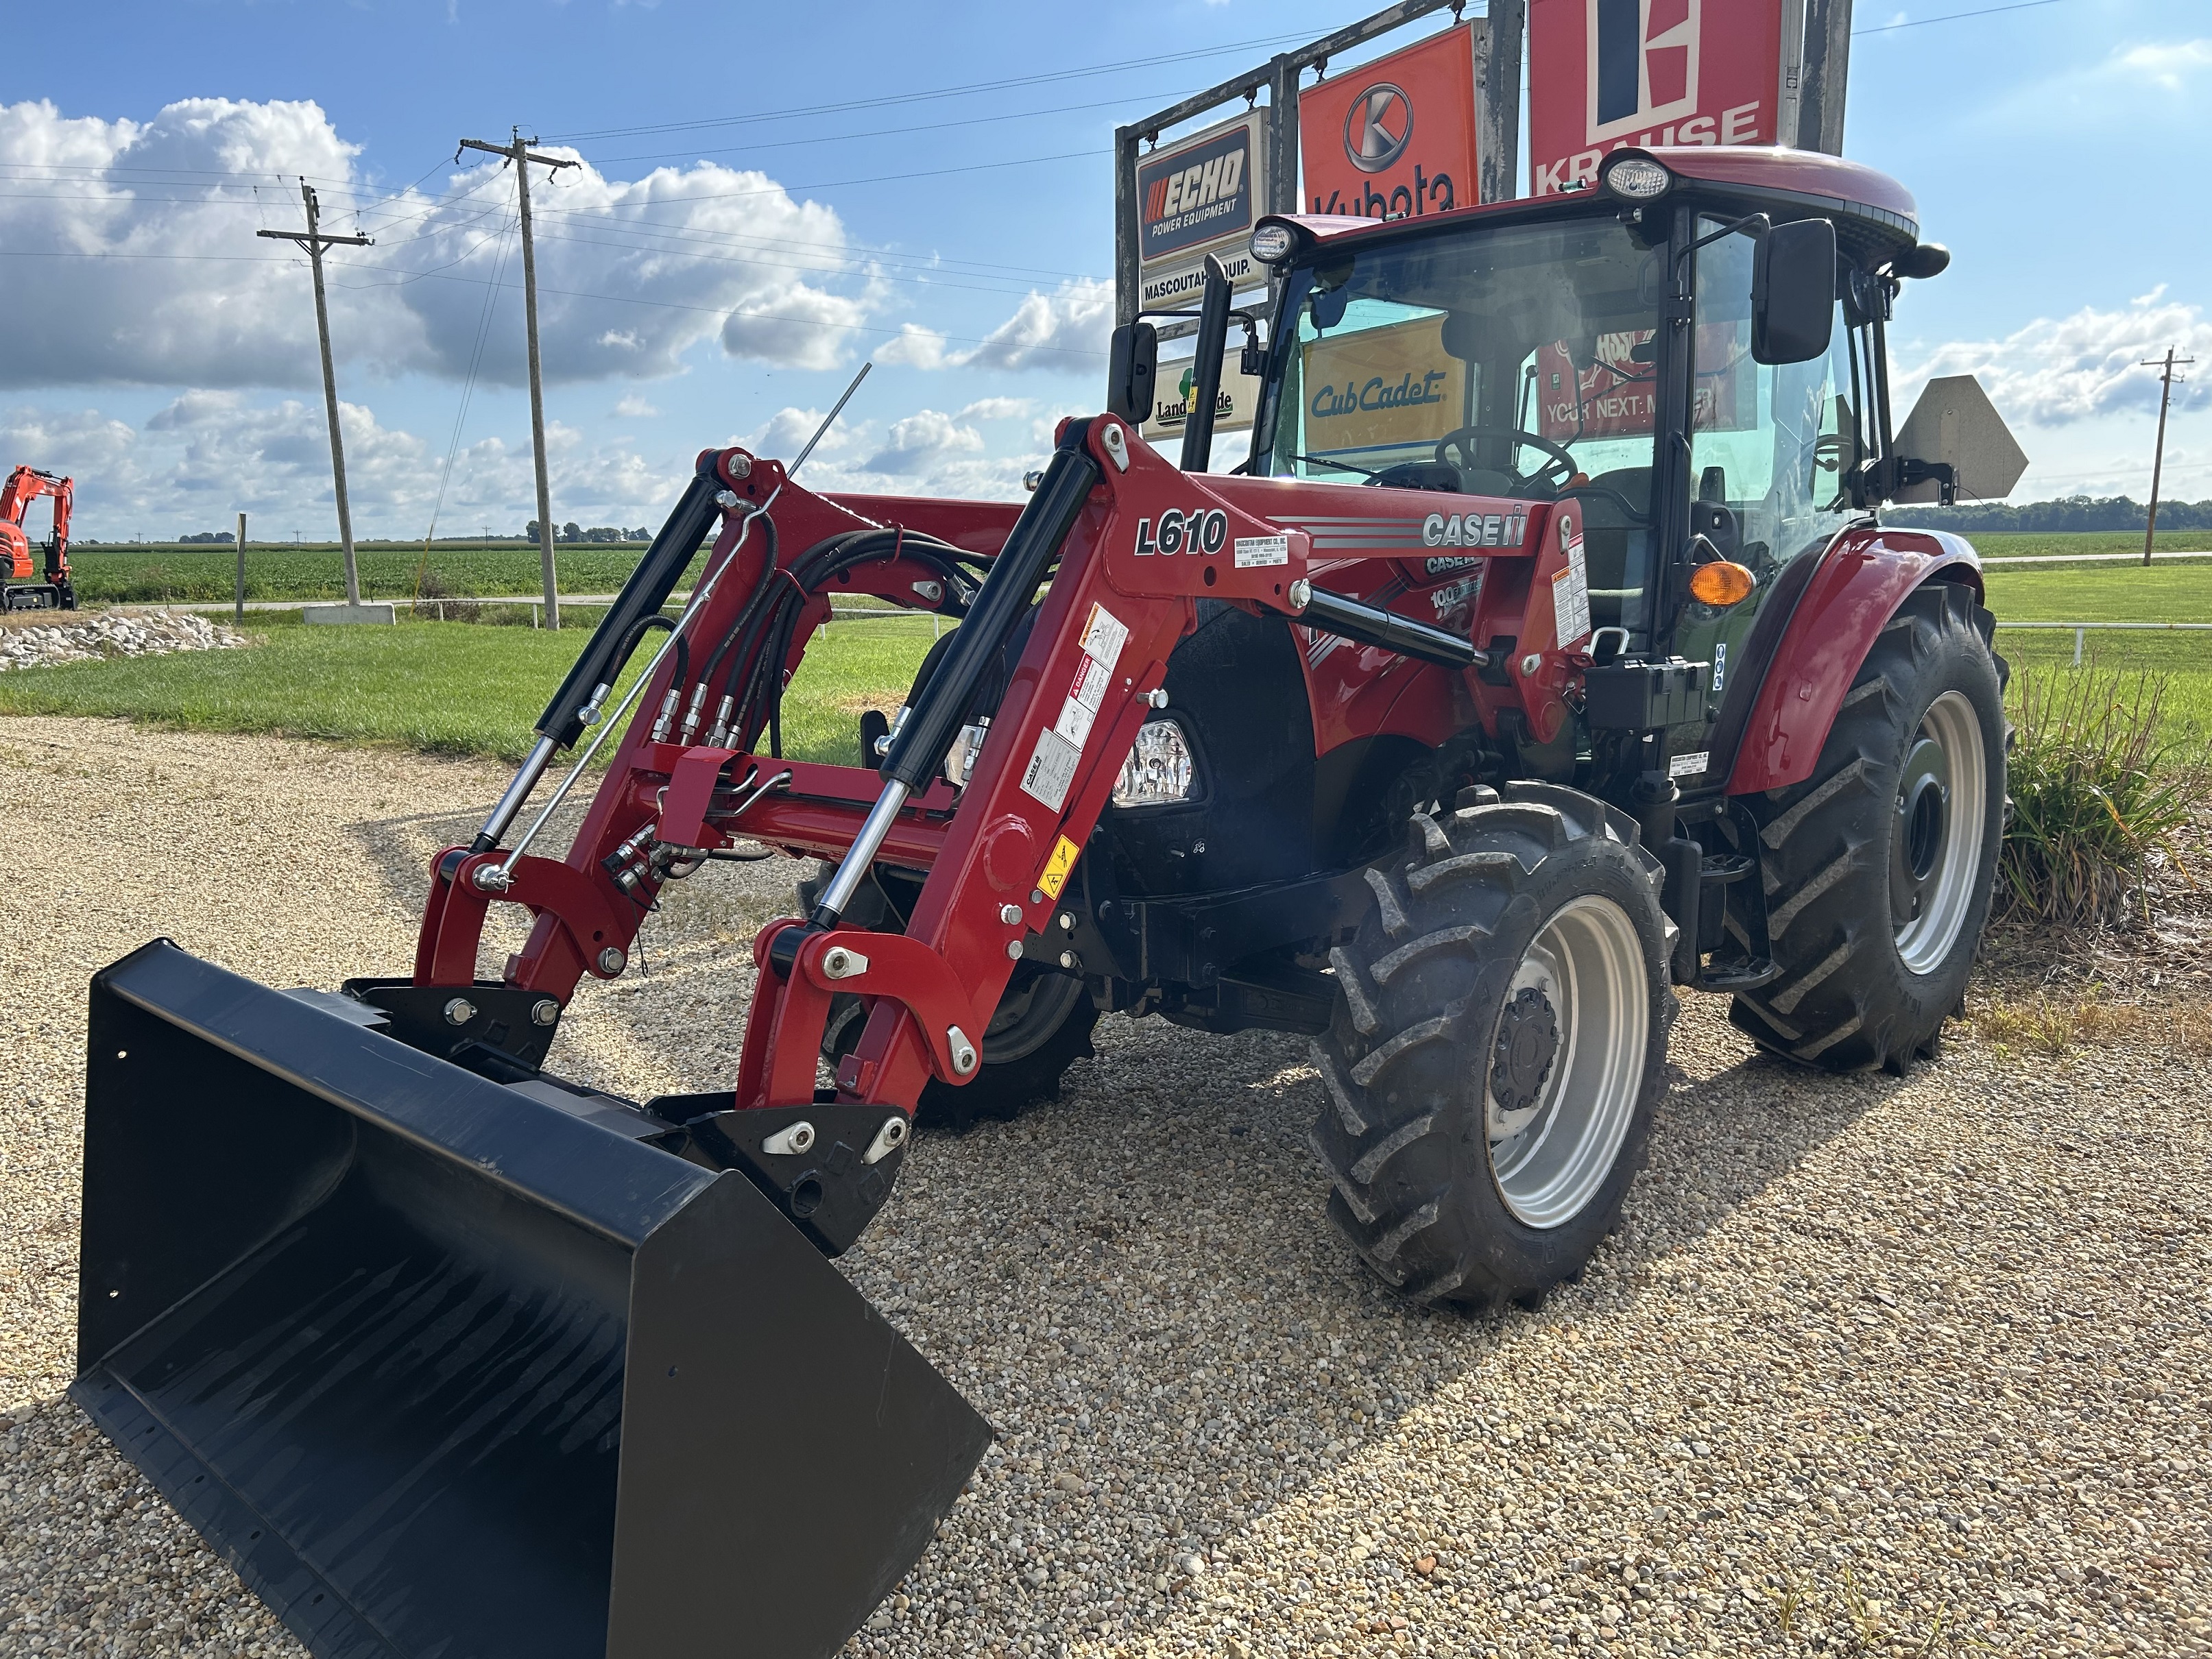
[{"x": 444, "y": 1370}]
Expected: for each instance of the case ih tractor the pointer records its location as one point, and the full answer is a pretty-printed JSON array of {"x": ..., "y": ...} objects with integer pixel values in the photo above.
[{"x": 1544, "y": 657}]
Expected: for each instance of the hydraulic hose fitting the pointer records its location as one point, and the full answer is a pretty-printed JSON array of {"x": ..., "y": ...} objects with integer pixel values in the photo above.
[
  {"x": 720, "y": 729},
  {"x": 667, "y": 719},
  {"x": 691, "y": 714}
]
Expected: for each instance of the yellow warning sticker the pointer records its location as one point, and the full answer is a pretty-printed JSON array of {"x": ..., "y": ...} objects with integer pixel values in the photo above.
[{"x": 1056, "y": 868}]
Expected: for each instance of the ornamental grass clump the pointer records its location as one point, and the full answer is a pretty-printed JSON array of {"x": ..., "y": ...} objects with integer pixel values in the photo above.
[{"x": 2098, "y": 798}]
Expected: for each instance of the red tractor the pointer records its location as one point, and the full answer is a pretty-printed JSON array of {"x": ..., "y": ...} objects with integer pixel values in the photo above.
[
  {"x": 21, "y": 587},
  {"x": 1545, "y": 655}
]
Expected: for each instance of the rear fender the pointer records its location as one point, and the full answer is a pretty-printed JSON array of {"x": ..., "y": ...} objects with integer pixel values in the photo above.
[{"x": 1858, "y": 586}]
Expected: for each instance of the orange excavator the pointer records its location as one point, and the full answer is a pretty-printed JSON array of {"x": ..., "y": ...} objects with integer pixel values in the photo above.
[{"x": 26, "y": 587}]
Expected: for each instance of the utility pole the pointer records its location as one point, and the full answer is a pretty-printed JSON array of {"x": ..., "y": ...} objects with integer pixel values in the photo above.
[
  {"x": 315, "y": 239},
  {"x": 1827, "y": 43},
  {"x": 519, "y": 153},
  {"x": 2165, "y": 381}
]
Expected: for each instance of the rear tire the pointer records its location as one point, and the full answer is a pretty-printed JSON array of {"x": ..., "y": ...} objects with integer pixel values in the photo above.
[
  {"x": 1879, "y": 868},
  {"x": 1498, "y": 1044}
]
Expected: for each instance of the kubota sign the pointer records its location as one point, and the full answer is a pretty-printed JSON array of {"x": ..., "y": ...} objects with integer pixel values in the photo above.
[
  {"x": 1394, "y": 139},
  {"x": 1604, "y": 74}
]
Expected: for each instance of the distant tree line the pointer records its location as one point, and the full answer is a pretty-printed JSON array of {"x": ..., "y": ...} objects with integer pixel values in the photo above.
[
  {"x": 2044, "y": 517},
  {"x": 573, "y": 531},
  {"x": 223, "y": 536}
]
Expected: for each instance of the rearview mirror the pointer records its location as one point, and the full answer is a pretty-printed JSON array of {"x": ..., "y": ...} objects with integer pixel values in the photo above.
[
  {"x": 1793, "y": 292},
  {"x": 1132, "y": 365}
]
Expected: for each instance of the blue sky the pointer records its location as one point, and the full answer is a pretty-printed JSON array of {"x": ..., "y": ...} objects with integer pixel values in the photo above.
[{"x": 960, "y": 240}]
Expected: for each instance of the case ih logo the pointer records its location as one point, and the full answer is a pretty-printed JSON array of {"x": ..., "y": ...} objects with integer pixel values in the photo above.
[
  {"x": 1643, "y": 63},
  {"x": 1377, "y": 127}
]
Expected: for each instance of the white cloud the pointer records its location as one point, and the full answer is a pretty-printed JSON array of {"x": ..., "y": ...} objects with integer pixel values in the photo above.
[
  {"x": 997, "y": 408},
  {"x": 2056, "y": 371},
  {"x": 1064, "y": 330},
  {"x": 209, "y": 454},
  {"x": 2166, "y": 64},
  {"x": 136, "y": 281},
  {"x": 915, "y": 347},
  {"x": 928, "y": 453},
  {"x": 632, "y": 408},
  {"x": 922, "y": 442}
]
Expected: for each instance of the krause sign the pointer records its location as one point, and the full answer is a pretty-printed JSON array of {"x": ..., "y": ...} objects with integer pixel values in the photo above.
[
  {"x": 1198, "y": 197},
  {"x": 1396, "y": 139},
  {"x": 1605, "y": 74}
]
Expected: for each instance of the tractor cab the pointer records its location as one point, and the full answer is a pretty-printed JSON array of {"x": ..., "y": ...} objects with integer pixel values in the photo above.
[{"x": 1693, "y": 349}]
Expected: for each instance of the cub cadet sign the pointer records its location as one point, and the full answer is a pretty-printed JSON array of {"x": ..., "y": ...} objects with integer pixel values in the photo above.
[
  {"x": 1606, "y": 74},
  {"x": 1381, "y": 390},
  {"x": 1196, "y": 197}
]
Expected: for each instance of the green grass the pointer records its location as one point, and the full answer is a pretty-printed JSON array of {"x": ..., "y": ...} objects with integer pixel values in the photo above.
[
  {"x": 450, "y": 690},
  {"x": 2007, "y": 544},
  {"x": 2110, "y": 592},
  {"x": 117, "y": 575}
]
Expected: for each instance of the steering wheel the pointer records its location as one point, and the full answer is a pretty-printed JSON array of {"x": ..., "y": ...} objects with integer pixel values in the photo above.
[{"x": 1560, "y": 461}]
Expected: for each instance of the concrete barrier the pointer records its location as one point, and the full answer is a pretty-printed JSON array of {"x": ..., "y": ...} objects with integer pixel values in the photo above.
[{"x": 348, "y": 613}]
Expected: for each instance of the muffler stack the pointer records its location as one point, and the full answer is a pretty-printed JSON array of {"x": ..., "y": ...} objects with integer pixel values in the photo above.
[{"x": 443, "y": 1370}]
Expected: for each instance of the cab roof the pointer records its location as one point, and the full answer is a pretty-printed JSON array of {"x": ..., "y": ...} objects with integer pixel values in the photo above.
[{"x": 1874, "y": 214}]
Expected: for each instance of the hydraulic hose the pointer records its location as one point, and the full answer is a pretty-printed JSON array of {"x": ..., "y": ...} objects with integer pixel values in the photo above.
[
  {"x": 647, "y": 589},
  {"x": 1021, "y": 564}
]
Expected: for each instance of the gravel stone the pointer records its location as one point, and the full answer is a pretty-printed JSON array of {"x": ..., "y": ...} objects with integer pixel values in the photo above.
[
  {"x": 113, "y": 634},
  {"x": 1872, "y": 1366}
]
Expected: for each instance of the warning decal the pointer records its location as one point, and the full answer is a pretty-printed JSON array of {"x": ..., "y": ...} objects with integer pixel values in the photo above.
[
  {"x": 1056, "y": 868},
  {"x": 1570, "y": 588},
  {"x": 1103, "y": 635},
  {"x": 1051, "y": 769},
  {"x": 1081, "y": 709}
]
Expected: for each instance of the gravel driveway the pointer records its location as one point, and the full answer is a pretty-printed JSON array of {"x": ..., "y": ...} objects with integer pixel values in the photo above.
[{"x": 1873, "y": 1366}]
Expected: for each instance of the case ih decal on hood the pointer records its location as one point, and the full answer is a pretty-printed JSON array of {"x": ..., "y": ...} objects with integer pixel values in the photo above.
[{"x": 1473, "y": 530}]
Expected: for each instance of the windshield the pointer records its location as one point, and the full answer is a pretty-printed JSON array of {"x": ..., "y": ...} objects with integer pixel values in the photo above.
[{"x": 1513, "y": 360}]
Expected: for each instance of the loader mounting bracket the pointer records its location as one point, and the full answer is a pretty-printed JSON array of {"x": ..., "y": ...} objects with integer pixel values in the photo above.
[
  {"x": 811, "y": 1162},
  {"x": 445, "y": 1020}
]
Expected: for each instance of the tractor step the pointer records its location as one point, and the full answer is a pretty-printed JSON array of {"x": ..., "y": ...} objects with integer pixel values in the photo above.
[{"x": 1737, "y": 973}]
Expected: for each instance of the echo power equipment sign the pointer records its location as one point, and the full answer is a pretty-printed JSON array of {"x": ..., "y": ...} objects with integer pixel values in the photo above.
[
  {"x": 1200, "y": 195},
  {"x": 1607, "y": 74},
  {"x": 1394, "y": 139}
]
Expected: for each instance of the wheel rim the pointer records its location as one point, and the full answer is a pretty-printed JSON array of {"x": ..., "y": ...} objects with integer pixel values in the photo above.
[
  {"x": 1935, "y": 840},
  {"x": 1028, "y": 1015},
  {"x": 1554, "y": 1138}
]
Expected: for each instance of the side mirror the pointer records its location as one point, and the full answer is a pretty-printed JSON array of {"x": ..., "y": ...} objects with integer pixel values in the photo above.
[
  {"x": 1793, "y": 292},
  {"x": 1132, "y": 365}
]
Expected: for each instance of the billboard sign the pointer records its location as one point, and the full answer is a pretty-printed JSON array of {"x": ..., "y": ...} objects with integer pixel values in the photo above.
[
  {"x": 1381, "y": 393},
  {"x": 1607, "y": 74},
  {"x": 1198, "y": 195},
  {"x": 1396, "y": 139},
  {"x": 1234, "y": 407}
]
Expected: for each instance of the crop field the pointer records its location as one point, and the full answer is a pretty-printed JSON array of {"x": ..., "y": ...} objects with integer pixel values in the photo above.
[
  {"x": 156, "y": 575},
  {"x": 2081, "y": 543}
]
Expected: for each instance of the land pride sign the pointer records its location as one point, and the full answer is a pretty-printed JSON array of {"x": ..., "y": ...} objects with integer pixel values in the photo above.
[{"x": 1606, "y": 74}]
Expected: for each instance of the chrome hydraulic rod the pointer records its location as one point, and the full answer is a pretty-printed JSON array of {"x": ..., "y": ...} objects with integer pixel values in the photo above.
[{"x": 861, "y": 855}]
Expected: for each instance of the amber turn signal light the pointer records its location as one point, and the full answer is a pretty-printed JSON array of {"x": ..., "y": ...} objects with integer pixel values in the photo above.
[{"x": 1721, "y": 583}]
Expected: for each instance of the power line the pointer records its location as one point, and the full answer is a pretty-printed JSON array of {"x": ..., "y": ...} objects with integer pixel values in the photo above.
[
  {"x": 1954, "y": 17},
  {"x": 890, "y": 99}
]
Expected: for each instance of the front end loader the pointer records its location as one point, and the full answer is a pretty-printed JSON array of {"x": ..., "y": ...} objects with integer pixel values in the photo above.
[{"x": 1545, "y": 655}]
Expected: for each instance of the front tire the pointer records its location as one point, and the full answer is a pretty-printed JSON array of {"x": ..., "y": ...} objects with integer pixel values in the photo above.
[
  {"x": 1879, "y": 868},
  {"x": 1497, "y": 1048}
]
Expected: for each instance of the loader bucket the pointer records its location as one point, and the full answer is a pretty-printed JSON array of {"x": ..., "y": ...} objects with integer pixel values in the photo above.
[{"x": 442, "y": 1369}]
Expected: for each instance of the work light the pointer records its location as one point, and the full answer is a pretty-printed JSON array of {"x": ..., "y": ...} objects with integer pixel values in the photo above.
[
  {"x": 1637, "y": 178},
  {"x": 1160, "y": 770},
  {"x": 1272, "y": 241}
]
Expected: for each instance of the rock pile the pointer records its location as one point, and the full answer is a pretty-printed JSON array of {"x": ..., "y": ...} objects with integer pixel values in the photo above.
[{"x": 151, "y": 634}]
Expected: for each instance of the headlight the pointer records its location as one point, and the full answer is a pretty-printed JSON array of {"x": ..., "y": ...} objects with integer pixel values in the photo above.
[
  {"x": 1159, "y": 770},
  {"x": 1271, "y": 242},
  {"x": 1637, "y": 178}
]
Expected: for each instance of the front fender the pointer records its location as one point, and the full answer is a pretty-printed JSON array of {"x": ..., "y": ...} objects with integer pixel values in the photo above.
[{"x": 1861, "y": 579}]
